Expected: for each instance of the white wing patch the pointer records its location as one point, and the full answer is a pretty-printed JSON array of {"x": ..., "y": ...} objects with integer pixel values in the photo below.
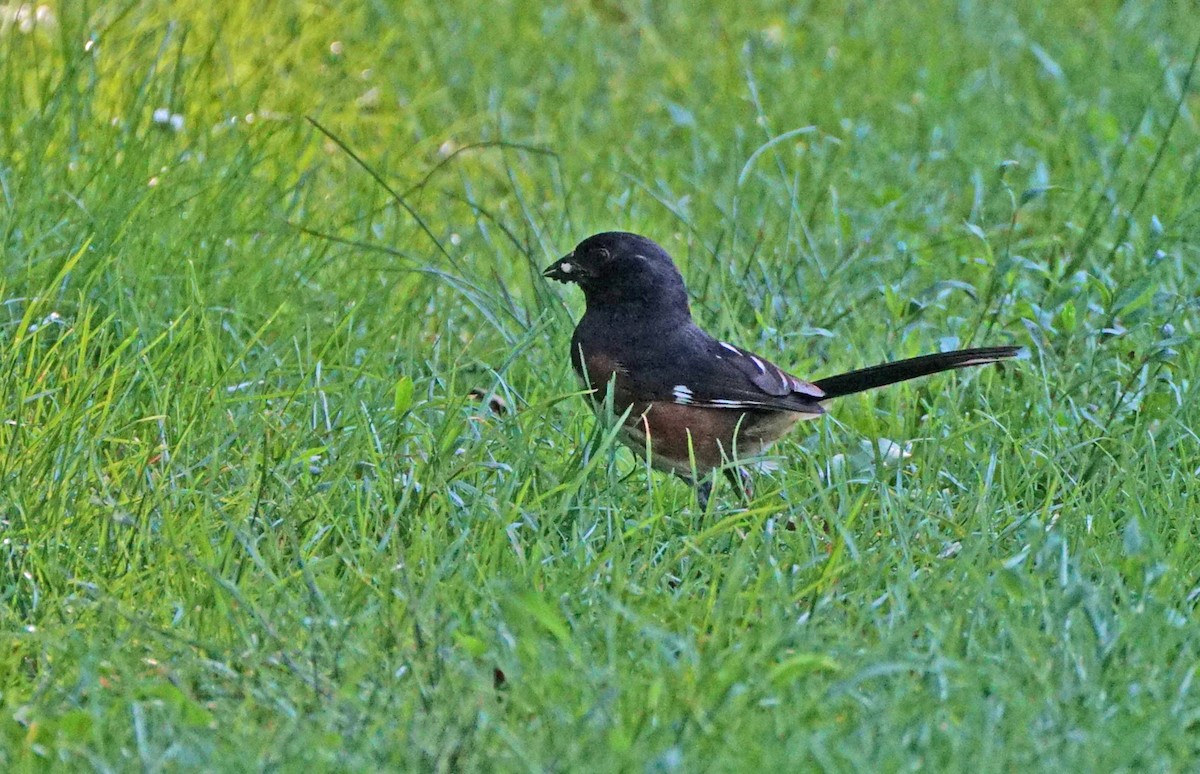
[
  {"x": 682, "y": 394},
  {"x": 731, "y": 348}
]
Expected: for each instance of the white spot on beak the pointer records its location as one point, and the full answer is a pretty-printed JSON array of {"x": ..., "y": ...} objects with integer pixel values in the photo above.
[{"x": 566, "y": 268}]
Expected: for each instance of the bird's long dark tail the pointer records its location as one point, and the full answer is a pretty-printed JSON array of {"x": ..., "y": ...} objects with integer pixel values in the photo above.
[{"x": 903, "y": 370}]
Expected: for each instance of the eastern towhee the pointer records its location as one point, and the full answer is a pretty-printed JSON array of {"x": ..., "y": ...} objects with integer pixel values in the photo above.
[{"x": 691, "y": 402}]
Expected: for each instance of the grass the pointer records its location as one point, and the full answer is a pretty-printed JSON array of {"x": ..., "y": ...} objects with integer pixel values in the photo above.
[{"x": 251, "y": 518}]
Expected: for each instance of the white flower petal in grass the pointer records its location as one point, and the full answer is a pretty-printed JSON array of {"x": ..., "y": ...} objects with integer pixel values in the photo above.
[
  {"x": 167, "y": 120},
  {"x": 26, "y": 17}
]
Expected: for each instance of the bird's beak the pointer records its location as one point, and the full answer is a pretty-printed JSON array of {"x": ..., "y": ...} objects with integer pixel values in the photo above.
[{"x": 563, "y": 270}]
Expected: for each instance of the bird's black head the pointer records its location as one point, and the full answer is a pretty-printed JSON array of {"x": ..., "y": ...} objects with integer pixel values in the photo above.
[{"x": 617, "y": 268}]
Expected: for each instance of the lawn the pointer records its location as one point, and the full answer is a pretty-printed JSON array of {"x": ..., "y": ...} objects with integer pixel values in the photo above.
[{"x": 260, "y": 261}]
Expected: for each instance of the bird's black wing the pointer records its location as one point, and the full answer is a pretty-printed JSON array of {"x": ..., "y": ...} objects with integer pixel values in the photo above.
[{"x": 693, "y": 369}]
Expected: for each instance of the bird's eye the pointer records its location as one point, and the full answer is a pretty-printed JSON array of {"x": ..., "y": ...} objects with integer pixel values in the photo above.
[{"x": 601, "y": 254}]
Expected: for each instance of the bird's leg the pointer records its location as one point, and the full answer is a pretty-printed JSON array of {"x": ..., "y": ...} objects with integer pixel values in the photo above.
[{"x": 739, "y": 478}]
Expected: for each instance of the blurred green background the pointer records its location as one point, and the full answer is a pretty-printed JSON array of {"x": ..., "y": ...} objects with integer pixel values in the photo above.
[{"x": 253, "y": 515}]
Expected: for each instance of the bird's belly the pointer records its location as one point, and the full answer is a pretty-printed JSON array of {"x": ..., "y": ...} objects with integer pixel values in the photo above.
[{"x": 682, "y": 439}]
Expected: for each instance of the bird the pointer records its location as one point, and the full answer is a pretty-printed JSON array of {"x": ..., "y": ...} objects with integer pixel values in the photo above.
[{"x": 690, "y": 403}]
